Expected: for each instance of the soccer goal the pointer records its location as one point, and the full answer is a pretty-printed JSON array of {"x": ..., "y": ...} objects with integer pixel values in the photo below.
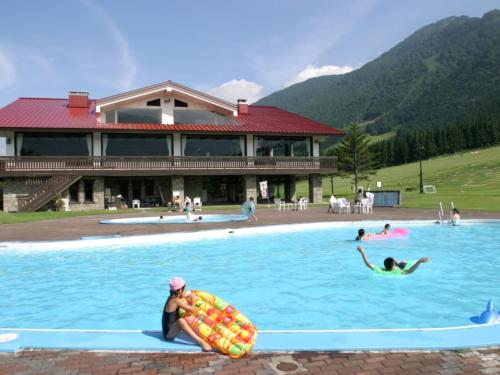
[{"x": 430, "y": 189}]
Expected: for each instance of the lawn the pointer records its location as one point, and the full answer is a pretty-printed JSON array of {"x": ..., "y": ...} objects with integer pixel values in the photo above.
[{"x": 471, "y": 180}]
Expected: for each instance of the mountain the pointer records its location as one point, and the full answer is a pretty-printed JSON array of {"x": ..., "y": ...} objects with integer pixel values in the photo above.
[{"x": 445, "y": 73}]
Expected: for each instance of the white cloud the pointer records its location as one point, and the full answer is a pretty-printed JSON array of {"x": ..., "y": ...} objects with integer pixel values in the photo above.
[
  {"x": 7, "y": 70},
  {"x": 128, "y": 63},
  {"x": 238, "y": 89},
  {"x": 311, "y": 71}
]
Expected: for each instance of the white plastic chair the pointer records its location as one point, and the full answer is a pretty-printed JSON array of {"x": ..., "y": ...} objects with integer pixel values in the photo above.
[
  {"x": 197, "y": 203},
  {"x": 278, "y": 204},
  {"x": 344, "y": 205},
  {"x": 136, "y": 203},
  {"x": 368, "y": 209}
]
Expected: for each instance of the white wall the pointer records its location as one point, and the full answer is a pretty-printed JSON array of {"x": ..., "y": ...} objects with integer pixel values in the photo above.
[{"x": 7, "y": 149}]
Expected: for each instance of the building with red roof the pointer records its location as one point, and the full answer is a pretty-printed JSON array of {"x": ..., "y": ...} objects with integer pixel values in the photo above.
[{"x": 147, "y": 146}]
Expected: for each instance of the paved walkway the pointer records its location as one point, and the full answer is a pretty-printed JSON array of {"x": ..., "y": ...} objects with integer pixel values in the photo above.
[
  {"x": 412, "y": 363},
  {"x": 74, "y": 228}
]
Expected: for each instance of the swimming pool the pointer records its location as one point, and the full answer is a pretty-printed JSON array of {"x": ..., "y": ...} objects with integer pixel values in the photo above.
[
  {"x": 177, "y": 219},
  {"x": 305, "y": 278},
  {"x": 294, "y": 277}
]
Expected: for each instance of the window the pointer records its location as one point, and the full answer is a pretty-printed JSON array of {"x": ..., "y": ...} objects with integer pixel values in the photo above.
[
  {"x": 53, "y": 144},
  {"x": 149, "y": 188},
  {"x": 88, "y": 188},
  {"x": 73, "y": 192},
  {"x": 282, "y": 146},
  {"x": 196, "y": 116},
  {"x": 139, "y": 115},
  {"x": 180, "y": 103},
  {"x": 154, "y": 103},
  {"x": 136, "y": 145},
  {"x": 110, "y": 116},
  {"x": 200, "y": 145}
]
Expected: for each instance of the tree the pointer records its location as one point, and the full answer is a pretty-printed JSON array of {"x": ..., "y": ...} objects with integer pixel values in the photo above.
[{"x": 355, "y": 155}]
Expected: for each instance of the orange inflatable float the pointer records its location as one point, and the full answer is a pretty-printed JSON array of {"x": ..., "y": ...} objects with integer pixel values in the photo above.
[{"x": 220, "y": 324}]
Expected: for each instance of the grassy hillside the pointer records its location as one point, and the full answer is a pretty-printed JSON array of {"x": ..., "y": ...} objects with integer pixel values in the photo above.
[
  {"x": 471, "y": 180},
  {"x": 445, "y": 73}
]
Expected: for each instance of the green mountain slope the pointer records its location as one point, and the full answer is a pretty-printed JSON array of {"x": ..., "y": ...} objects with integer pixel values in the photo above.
[{"x": 444, "y": 73}]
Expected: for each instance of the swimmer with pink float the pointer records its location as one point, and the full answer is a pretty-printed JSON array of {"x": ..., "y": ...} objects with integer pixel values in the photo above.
[{"x": 385, "y": 233}]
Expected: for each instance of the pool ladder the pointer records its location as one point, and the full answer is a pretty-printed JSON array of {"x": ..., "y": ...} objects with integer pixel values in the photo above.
[{"x": 441, "y": 213}]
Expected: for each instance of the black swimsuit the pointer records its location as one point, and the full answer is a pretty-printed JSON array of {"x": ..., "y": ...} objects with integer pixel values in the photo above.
[{"x": 168, "y": 319}]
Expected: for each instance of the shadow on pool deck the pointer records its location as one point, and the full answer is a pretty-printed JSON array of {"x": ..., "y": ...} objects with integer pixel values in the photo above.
[{"x": 88, "y": 226}]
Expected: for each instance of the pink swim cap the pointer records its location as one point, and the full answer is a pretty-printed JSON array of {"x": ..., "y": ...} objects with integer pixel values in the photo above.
[{"x": 176, "y": 283}]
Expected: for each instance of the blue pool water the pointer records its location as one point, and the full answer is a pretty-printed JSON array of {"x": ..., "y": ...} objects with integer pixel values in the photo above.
[
  {"x": 297, "y": 277},
  {"x": 177, "y": 219}
]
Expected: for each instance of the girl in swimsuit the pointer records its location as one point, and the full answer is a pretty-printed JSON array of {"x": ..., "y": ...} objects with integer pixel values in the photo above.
[{"x": 171, "y": 323}]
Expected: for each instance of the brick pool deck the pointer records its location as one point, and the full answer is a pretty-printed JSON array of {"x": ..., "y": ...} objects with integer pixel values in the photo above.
[{"x": 480, "y": 361}]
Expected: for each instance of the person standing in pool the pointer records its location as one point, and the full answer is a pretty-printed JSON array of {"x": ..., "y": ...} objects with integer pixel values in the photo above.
[
  {"x": 455, "y": 217},
  {"x": 362, "y": 235},
  {"x": 391, "y": 265},
  {"x": 189, "y": 215},
  {"x": 171, "y": 323}
]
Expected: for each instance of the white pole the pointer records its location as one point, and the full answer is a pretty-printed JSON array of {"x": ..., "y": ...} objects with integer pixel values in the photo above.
[{"x": 441, "y": 214}]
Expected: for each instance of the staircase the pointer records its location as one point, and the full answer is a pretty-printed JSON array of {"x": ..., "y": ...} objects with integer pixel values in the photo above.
[{"x": 45, "y": 193}]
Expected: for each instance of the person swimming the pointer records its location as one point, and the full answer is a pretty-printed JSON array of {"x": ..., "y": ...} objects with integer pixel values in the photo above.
[
  {"x": 391, "y": 265},
  {"x": 387, "y": 228}
]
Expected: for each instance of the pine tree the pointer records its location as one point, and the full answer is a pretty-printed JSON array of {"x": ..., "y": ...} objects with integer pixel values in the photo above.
[{"x": 355, "y": 155}]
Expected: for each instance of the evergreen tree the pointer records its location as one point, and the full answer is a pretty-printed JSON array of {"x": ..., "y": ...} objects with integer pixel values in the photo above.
[{"x": 355, "y": 155}]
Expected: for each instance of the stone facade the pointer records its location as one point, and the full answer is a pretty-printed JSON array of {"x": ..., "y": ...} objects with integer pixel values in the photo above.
[
  {"x": 315, "y": 188},
  {"x": 14, "y": 188},
  {"x": 178, "y": 187},
  {"x": 97, "y": 196}
]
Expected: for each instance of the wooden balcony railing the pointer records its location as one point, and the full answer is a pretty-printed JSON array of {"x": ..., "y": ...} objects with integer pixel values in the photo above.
[{"x": 24, "y": 165}]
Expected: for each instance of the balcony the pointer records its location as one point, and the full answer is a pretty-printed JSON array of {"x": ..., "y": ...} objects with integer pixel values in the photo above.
[{"x": 24, "y": 166}]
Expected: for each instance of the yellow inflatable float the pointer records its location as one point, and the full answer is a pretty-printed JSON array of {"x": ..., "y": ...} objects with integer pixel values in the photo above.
[{"x": 220, "y": 324}]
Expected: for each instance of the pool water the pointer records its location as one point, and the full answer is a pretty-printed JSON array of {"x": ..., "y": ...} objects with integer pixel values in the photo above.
[
  {"x": 177, "y": 219},
  {"x": 284, "y": 277}
]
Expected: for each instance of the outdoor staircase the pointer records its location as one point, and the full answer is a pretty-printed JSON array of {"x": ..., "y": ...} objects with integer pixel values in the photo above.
[{"x": 45, "y": 192}]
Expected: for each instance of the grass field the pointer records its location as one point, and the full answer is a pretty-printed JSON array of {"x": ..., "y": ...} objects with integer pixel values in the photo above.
[{"x": 471, "y": 180}]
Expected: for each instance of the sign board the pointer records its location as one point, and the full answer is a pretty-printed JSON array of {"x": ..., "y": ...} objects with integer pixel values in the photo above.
[
  {"x": 379, "y": 184},
  {"x": 263, "y": 189}
]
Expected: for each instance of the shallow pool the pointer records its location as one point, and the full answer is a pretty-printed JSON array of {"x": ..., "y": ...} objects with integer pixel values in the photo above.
[
  {"x": 282, "y": 277},
  {"x": 177, "y": 219}
]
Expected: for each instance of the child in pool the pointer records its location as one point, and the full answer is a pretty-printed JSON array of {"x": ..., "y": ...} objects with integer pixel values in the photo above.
[
  {"x": 387, "y": 228},
  {"x": 455, "y": 217},
  {"x": 390, "y": 264},
  {"x": 362, "y": 235},
  {"x": 171, "y": 323},
  {"x": 189, "y": 215}
]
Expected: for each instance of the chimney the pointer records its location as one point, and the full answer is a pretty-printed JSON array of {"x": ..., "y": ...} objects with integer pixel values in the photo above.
[
  {"x": 242, "y": 106},
  {"x": 78, "y": 99}
]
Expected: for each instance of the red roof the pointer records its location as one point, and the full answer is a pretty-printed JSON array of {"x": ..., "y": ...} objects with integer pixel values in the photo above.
[{"x": 42, "y": 113}]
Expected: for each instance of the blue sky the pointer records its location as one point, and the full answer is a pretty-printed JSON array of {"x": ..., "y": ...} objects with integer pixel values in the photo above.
[{"x": 227, "y": 48}]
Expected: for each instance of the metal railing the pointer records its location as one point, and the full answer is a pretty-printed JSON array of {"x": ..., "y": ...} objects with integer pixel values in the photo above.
[{"x": 20, "y": 164}]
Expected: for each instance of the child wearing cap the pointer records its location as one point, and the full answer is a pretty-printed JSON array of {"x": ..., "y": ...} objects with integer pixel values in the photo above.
[{"x": 171, "y": 323}]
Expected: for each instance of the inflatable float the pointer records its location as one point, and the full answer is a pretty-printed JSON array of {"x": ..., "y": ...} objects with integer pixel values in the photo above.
[
  {"x": 488, "y": 316},
  {"x": 396, "y": 232},
  {"x": 221, "y": 325}
]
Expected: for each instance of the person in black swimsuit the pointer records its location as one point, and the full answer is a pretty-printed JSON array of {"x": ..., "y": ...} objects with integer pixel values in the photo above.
[{"x": 172, "y": 324}]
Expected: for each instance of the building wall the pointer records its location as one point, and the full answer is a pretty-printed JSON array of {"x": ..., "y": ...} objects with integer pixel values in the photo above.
[
  {"x": 9, "y": 147},
  {"x": 97, "y": 197}
]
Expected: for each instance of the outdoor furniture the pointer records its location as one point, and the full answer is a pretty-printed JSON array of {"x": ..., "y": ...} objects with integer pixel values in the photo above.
[
  {"x": 136, "y": 203},
  {"x": 333, "y": 204},
  {"x": 278, "y": 204},
  {"x": 344, "y": 206},
  {"x": 197, "y": 203}
]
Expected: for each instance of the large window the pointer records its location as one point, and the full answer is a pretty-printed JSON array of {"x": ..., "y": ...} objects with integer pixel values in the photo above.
[
  {"x": 136, "y": 145},
  {"x": 200, "y": 145},
  {"x": 139, "y": 115},
  {"x": 52, "y": 144},
  {"x": 282, "y": 146},
  {"x": 196, "y": 116}
]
